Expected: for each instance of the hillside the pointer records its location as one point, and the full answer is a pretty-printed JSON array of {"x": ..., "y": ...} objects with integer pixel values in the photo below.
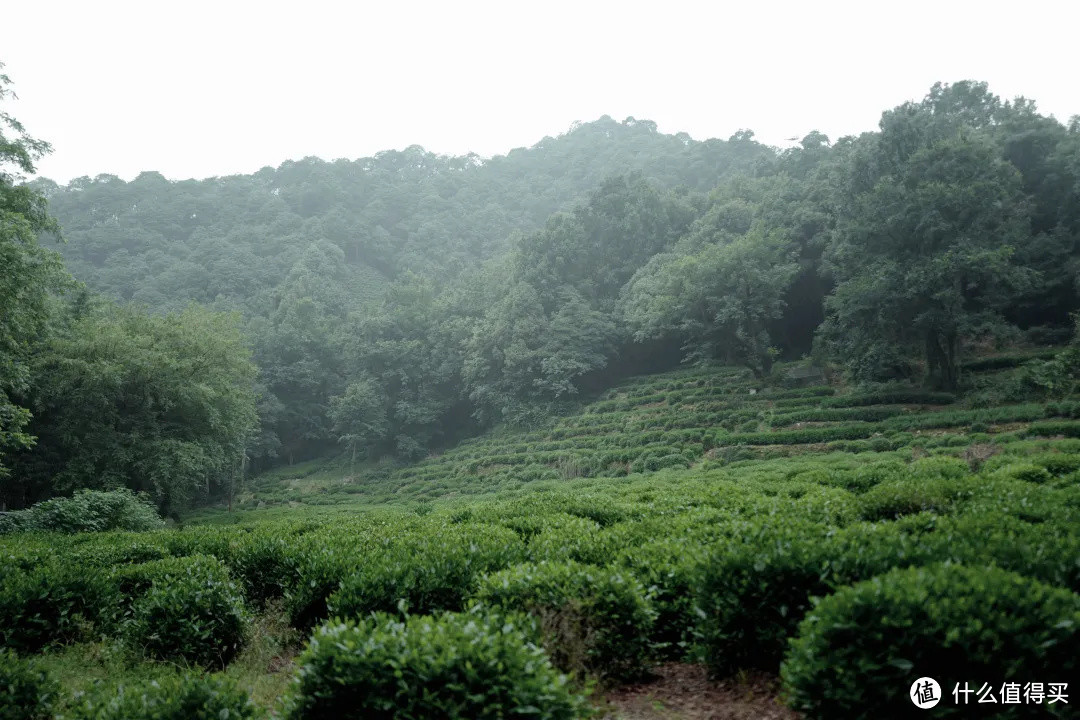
[
  {"x": 701, "y": 419},
  {"x": 693, "y": 514}
]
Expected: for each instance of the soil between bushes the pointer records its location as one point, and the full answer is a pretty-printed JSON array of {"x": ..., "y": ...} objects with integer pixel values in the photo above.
[{"x": 679, "y": 691}]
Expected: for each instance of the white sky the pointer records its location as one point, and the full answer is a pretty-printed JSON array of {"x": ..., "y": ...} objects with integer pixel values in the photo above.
[{"x": 196, "y": 89}]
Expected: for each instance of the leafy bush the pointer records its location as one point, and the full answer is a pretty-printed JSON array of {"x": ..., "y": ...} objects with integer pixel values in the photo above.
[
  {"x": 192, "y": 612},
  {"x": 668, "y": 568},
  {"x": 26, "y": 691},
  {"x": 429, "y": 573},
  {"x": 50, "y": 604},
  {"x": 914, "y": 494},
  {"x": 319, "y": 574},
  {"x": 266, "y": 564},
  {"x": 751, "y": 595},
  {"x": 89, "y": 511},
  {"x": 1026, "y": 472},
  {"x": 860, "y": 649},
  {"x": 571, "y": 538},
  {"x": 594, "y": 620},
  {"x": 1050, "y": 429},
  {"x": 190, "y": 696},
  {"x": 468, "y": 666}
]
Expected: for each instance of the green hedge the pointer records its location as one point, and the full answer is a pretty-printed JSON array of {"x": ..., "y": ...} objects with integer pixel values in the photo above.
[
  {"x": 860, "y": 649},
  {"x": 189, "y": 696},
  {"x": 469, "y": 666},
  {"x": 428, "y": 573},
  {"x": 193, "y": 612},
  {"x": 26, "y": 691},
  {"x": 749, "y": 595},
  {"x": 51, "y": 604},
  {"x": 594, "y": 620}
]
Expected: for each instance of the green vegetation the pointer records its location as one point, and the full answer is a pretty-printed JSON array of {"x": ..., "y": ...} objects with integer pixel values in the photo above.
[
  {"x": 484, "y": 490},
  {"x": 26, "y": 692},
  {"x": 85, "y": 511},
  {"x": 469, "y": 665},
  {"x": 187, "y": 696},
  {"x": 594, "y": 620},
  {"x": 859, "y": 648},
  {"x": 191, "y": 612}
]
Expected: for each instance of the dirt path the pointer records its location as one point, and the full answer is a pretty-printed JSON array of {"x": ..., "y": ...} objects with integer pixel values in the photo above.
[{"x": 684, "y": 692}]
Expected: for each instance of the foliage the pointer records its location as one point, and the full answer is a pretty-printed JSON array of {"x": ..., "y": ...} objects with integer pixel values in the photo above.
[
  {"x": 721, "y": 297},
  {"x": 48, "y": 604},
  {"x": 187, "y": 696},
  {"x": 89, "y": 511},
  {"x": 426, "y": 574},
  {"x": 859, "y": 649},
  {"x": 593, "y": 620},
  {"x": 26, "y": 691},
  {"x": 157, "y": 404},
  {"x": 471, "y": 665},
  {"x": 31, "y": 275},
  {"x": 193, "y": 614}
]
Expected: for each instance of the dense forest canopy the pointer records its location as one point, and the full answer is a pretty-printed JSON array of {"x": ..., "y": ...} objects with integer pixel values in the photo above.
[{"x": 390, "y": 305}]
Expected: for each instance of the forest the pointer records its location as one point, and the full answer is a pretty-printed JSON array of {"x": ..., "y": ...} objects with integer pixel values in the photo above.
[
  {"x": 391, "y": 306},
  {"x": 554, "y": 434}
]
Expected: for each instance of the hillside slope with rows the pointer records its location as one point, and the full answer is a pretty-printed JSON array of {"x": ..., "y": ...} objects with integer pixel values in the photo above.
[{"x": 819, "y": 547}]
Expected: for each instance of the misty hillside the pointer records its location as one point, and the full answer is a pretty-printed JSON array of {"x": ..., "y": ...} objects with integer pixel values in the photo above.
[{"x": 234, "y": 241}]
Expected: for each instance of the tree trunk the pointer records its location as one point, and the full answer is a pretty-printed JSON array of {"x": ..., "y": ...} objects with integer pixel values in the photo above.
[{"x": 943, "y": 360}]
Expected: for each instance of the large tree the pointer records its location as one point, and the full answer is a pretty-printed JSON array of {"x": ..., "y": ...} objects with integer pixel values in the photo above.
[
  {"x": 923, "y": 257},
  {"x": 156, "y": 403},
  {"x": 719, "y": 298},
  {"x": 29, "y": 274}
]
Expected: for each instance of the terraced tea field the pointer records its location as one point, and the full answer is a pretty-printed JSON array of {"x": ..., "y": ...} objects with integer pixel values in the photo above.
[{"x": 683, "y": 521}]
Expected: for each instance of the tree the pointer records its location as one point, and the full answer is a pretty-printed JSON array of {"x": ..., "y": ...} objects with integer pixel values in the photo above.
[
  {"x": 359, "y": 416},
  {"x": 30, "y": 276},
  {"x": 162, "y": 404},
  {"x": 719, "y": 299},
  {"x": 924, "y": 258}
]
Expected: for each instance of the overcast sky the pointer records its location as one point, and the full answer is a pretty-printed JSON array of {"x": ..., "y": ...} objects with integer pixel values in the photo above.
[{"x": 196, "y": 89}]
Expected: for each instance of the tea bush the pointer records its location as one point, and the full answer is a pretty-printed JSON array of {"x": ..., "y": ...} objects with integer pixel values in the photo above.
[
  {"x": 26, "y": 691},
  {"x": 189, "y": 696},
  {"x": 668, "y": 569},
  {"x": 751, "y": 595},
  {"x": 193, "y": 612},
  {"x": 914, "y": 494},
  {"x": 859, "y": 650},
  {"x": 429, "y": 573},
  {"x": 594, "y": 620},
  {"x": 468, "y": 666},
  {"x": 50, "y": 604}
]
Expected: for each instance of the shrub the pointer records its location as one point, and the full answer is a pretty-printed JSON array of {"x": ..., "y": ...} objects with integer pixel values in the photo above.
[
  {"x": 91, "y": 511},
  {"x": 668, "y": 568},
  {"x": 860, "y": 649},
  {"x": 192, "y": 612},
  {"x": 594, "y": 620},
  {"x": 571, "y": 538},
  {"x": 1024, "y": 471},
  {"x": 26, "y": 691},
  {"x": 914, "y": 494},
  {"x": 318, "y": 575},
  {"x": 751, "y": 595},
  {"x": 468, "y": 666},
  {"x": 429, "y": 573},
  {"x": 265, "y": 563},
  {"x": 51, "y": 604},
  {"x": 189, "y": 696}
]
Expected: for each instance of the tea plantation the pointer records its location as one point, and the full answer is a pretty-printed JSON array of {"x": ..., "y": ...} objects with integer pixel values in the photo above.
[{"x": 845, "y": 540}]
